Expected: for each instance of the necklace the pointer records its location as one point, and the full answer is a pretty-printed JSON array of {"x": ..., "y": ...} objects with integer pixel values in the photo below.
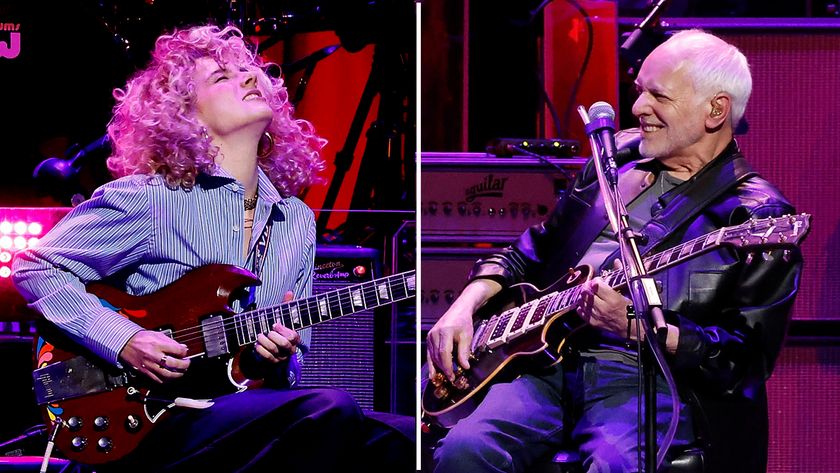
[{"x": 251, "y": 204}]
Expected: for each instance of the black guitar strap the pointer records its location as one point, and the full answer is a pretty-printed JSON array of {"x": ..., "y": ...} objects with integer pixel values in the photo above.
[
  {"x": 687, "y": 200},
  {"x": 260, "y": 250}
]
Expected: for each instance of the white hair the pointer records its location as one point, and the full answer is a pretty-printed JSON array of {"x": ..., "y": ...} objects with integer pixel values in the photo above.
[{"x": 714, "y": 66}]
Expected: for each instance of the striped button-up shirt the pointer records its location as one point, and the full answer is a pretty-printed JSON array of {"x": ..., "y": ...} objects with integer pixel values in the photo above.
[{"x": 139, "y": 235}]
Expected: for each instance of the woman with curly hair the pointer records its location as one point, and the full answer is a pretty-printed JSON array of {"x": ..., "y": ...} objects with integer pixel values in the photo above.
[{"x": 208, "y": 160}]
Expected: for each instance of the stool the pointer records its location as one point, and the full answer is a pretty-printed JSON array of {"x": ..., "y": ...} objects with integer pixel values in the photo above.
[{"x": 689, "y": 460}]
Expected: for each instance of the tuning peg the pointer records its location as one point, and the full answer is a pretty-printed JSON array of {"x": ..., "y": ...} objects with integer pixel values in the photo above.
[
  {"x": 750, "y": 257},
  {"x": 786, "y": 256},
  {"x": 767, "y": 255}
]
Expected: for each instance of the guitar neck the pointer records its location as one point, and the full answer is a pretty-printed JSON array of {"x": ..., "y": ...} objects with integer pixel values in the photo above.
[
  {"x": 324, "y": 307},
  {"x": 670, "y": 257}
]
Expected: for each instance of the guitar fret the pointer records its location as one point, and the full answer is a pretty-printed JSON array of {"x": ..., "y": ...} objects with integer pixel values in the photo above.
[
  {"x": 294, "y": 316},
  {"x": 370, "y": 296},
  {"x": 488, "y": 331},
  {"x": 356, "y": 298},
  {"x": 385, "y": 292},
  {"x": 263, "y": 322},
  {"x": 237, "y": 325},
  {"x": 323, "y": 309},
  {"x": 339, "y": 303}
]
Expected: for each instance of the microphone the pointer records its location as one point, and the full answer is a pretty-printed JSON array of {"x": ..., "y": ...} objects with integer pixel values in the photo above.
[
  {"x": 306, "y": 62},
  {"x": 643, "y": 40},
  {"x": 58, "y": 169},
  {"x": 602, "y": 125}
]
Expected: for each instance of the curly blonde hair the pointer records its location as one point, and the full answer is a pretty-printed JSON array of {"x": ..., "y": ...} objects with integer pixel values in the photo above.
[{"x": 154, "y": 129}]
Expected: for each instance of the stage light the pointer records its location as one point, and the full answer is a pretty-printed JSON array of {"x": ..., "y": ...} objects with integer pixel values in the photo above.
[
  {"x": 5, "y": 272},
  {"x": 5, "y": 256},
  {"x": 20, "y": 227},
  {"x": 5, "y": 242},
  {"x": 20, "y": 242},
  {"x": 6, "y": 227},
  {"x": 32, "y": 242},
  {"x": 35, "y": 228}
]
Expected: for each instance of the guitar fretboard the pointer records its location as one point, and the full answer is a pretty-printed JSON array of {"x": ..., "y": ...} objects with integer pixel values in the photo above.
[
  {"x": 323, "y": 307},
  {"x": 499, "y": 329}
]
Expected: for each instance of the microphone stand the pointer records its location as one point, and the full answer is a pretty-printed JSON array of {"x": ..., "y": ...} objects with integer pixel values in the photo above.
[{"x": 647, "y": 305}]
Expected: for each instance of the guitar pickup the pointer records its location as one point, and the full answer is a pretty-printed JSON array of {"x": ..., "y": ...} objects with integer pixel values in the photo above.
[{"x": 72, "y": 378}]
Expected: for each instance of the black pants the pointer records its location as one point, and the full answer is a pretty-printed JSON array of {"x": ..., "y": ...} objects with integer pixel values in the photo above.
[{"x": 289, "y": 430}]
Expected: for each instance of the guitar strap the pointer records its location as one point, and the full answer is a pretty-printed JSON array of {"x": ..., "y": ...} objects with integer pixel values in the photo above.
[
  {"x": 260, "y": 250},
  {"x": 685, "y": 201}
]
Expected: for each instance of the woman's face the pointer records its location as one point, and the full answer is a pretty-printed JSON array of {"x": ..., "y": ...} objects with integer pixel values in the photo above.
[{"x": 228, "y": 99}]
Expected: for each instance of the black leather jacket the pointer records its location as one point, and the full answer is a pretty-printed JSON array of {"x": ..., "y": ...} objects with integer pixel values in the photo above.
[{"x": 732, "y": 315}]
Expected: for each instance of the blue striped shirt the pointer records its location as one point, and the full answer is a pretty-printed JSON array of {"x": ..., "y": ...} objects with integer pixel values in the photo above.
[{"x": 140, "y": 235}]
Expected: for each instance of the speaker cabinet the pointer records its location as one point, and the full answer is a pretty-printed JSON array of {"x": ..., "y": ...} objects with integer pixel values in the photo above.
[
  {"x": 342, "y": 350},
  {"x": 803, "y": 395}
]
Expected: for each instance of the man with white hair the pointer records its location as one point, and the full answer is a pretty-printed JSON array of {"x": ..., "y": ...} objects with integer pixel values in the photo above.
[{"x": 726, "y": 315}]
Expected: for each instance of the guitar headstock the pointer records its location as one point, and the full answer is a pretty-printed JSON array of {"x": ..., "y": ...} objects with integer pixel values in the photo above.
[{"x": 787, "y": 230}]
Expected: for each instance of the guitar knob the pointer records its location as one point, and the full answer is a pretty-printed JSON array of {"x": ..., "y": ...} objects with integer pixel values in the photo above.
[
  {"x": 104, "y": 444},
  {"x": 461, "y": 383},
  {"x": 441, "y": 392},
  {"x": 101, "y": 423},
  {"x": 74, "y": 423},
  {"x": 78, "y": 443},
  {"x": 133, "y": 423}
]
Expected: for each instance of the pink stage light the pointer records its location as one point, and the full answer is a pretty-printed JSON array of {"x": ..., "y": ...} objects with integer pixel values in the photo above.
[
  {"x": 5, "y": 242},
  {"x": 32, "y": 242},
  {"x": 5, "y": 227},
  {"x": 5, "y": 272},
  {"x": 35, "y": 228},
  {"x": 20, "y": 242},
  {"x": 20, "y": 227},
  {"x": 5, "y": 256}
]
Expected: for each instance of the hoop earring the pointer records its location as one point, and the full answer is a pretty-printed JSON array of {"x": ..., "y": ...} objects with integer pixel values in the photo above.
[{"x": 265, "y": 151}]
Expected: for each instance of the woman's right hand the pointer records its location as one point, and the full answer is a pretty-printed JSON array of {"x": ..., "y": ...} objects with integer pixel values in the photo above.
[{"x": 156, "y": 355}]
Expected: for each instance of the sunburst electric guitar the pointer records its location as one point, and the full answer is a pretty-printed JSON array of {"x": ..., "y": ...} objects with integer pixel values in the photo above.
[
  {"x": 524, "y": 327},
  {"x": 106, "y": 411}
]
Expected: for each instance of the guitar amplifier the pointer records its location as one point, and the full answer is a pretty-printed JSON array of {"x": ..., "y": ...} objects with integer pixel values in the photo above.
[
  {"x": 342, "y": 350},
  {"x": 444, "y": 275},
  {"x": 472, "y": 197}
]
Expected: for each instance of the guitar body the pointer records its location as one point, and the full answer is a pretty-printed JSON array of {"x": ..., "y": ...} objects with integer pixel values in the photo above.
[
  {"x": 445, "y": 403},
  {"x": 104, "y": 426}
]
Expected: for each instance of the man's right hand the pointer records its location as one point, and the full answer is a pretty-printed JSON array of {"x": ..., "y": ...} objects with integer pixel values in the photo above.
[
  {"x": 155, "y": 355},
  {"x": 454, "y": 330}
]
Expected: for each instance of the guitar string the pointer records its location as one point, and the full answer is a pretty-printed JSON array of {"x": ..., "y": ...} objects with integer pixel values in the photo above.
[
  {"x": 197, "y": 331},
  {"x": 652, "y": 262},
  {"x": 310, "y": 305}
]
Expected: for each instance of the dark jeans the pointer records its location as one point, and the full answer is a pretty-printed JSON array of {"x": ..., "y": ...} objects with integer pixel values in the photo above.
[
  {"x": 589, "y": 405},
  {"x": 289, "y": 430}
]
